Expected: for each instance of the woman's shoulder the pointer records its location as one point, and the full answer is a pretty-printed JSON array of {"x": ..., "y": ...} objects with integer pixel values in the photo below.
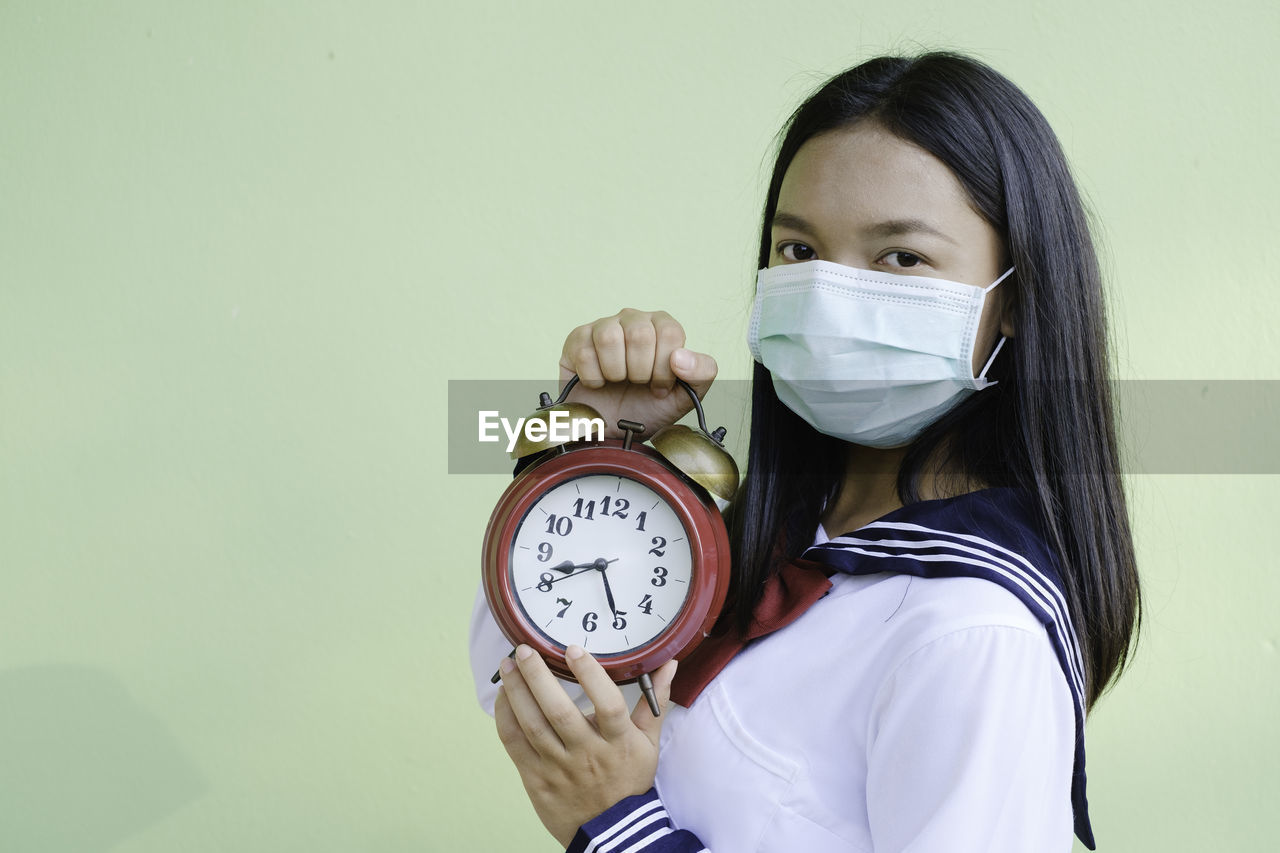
[
  {"x": 1001, "y": 522},
  {"x": 940, "y": 604},
  {"x": 912, "y": 614},
  {"x": 993, "y": 534},
  {"x": 976, "y": 561}
]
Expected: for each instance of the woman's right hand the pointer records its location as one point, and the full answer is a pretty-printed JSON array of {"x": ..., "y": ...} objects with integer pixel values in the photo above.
[{"x": 627, "y": 367}]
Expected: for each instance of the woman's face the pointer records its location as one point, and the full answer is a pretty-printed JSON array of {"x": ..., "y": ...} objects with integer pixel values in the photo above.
[{"x": 862, "y": 197}]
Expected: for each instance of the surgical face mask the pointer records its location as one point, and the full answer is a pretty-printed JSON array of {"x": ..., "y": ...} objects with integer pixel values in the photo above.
[{"x": 870, "y": 357}]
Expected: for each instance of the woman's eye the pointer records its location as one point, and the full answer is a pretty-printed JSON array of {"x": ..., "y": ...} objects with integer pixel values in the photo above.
[
  {"x": 797, "y": 252},
  {"x": 904, "y": 259}
]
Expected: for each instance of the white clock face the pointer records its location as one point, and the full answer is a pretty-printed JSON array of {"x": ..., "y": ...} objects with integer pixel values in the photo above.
[{"x": 602, "y": 561}]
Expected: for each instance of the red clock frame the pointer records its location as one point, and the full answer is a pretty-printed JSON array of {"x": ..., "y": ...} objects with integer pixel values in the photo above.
[{"x": 708, "y": 540}]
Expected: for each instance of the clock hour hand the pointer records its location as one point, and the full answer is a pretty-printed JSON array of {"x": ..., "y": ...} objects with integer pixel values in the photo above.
[
  {"x": 568, "y": 565},
  {"x": 574, "y": 574},
  {"x": 583, "y": 568}
]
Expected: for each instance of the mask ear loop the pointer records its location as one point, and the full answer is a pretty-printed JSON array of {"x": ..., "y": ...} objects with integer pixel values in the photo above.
[
  {"x": 1002, "y": 277},
  {"x": 983, "y": 375}
]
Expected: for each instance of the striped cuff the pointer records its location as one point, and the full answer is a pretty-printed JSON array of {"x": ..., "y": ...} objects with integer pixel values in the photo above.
[{"x": 628, "y": 827}]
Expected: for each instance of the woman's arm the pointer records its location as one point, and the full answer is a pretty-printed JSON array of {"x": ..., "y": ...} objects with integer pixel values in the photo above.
[
  {"x": 575, "y": 766},
  {"x": 633, "y": 820},
  {"x": 637, "y": 823}
]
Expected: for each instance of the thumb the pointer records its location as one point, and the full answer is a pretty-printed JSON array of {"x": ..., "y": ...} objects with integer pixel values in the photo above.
[
  {"x": 642, "y": 716},
  {"x": 696, "y": 368}
]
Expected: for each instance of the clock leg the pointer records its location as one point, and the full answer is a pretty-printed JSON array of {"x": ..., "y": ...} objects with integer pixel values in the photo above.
[
  {"x": 650, "y": 695},
  {"x": 497, "y": 673}
]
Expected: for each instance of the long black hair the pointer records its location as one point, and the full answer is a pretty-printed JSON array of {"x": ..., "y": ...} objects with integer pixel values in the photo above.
[{"x": 1047, "y": 426}]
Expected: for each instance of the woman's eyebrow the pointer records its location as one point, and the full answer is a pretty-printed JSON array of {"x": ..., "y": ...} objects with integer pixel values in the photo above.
[
  {"x": 896, "y": 227},
  {"x": 888, "y": 228},
  {"x": 782, "y": 219}
]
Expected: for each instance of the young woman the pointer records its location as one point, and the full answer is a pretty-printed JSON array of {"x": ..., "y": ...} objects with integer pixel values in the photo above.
[{"x": 932, "y": 385}]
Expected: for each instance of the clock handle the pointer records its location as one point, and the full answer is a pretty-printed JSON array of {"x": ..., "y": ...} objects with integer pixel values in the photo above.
[
  {"x": 650, "y": 695},
  {"x": 545, "y": 401},
  {"x": 718, "y": 435}
]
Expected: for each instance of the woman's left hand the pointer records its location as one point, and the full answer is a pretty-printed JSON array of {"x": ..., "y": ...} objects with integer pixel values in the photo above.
[{"x": 575, "y": 766}]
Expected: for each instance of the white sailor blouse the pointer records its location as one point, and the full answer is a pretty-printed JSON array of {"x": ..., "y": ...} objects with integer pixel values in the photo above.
[{"x": 933, "y": 700}]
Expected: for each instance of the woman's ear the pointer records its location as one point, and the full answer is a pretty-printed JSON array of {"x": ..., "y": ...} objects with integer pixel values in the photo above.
[
  {"x": 1006, "y": 322},
  {"x": 1006, "y": 311}
]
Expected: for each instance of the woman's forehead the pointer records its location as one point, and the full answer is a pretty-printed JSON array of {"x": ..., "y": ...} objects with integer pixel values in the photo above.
[{"x": 864, "y": 175}]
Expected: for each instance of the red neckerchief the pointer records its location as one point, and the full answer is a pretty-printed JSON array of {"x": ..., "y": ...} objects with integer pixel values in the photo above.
[{"x": 787, "y": 594}]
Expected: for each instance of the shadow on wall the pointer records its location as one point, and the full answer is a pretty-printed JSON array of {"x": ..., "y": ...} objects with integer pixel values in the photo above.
[{"x": 82, "y": 766}]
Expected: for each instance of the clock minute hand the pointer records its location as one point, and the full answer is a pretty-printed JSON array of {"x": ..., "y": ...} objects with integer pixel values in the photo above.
[{"x": 608, "y": 593}]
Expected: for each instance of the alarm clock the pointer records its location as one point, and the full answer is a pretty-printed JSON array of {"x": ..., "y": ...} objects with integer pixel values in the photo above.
[{"x": 614, "y": 545}]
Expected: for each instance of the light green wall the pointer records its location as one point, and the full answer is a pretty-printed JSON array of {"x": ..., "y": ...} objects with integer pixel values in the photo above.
[{"x": 244, "y": 245}]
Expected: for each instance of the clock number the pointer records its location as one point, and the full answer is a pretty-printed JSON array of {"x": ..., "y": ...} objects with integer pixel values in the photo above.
[
  {"x": 544, "y": 552},
  {"x": 646, "y": 604},
  {"x": 617, "y": 507},
  {"x": 661, "y": 576},
  {"x": 640, "y": 520},
  {"x": 618, "y": 622},
  {"x": 559, "y": 524},
  {"x": 589, "y": 622},
  {"x": 544, "y": 581},
  {"x": 590, "y": 507},
  {"x": 563, "y": 610},
  {"x": 659, "y": 546}
]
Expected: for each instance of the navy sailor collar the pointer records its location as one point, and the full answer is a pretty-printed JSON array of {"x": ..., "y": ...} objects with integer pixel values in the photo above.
[{"x": 990, "y": 534}]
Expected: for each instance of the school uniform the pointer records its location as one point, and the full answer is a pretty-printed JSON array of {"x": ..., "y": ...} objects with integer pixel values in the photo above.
[{"x": 928, "y": 696}]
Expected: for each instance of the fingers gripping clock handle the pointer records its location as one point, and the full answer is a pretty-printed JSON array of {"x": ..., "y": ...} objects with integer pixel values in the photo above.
[
  {"x": 650, "y": 695},
  {"x": 717, "y": 436}
]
